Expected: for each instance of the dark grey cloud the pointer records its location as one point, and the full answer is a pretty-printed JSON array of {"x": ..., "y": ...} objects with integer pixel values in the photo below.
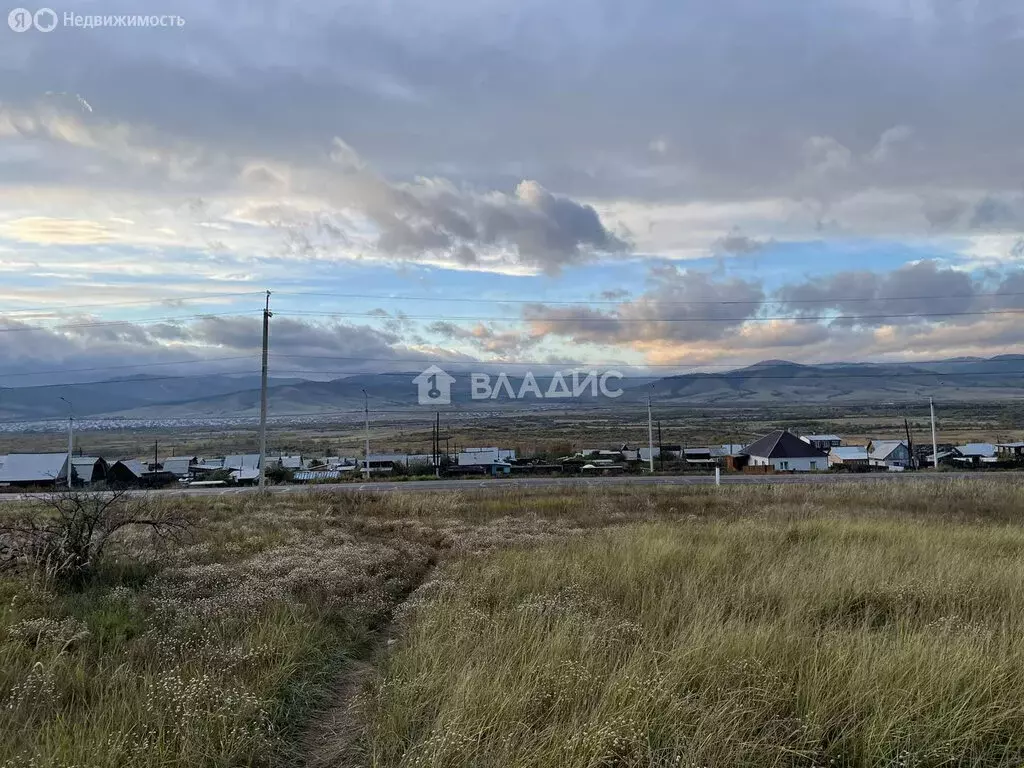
[
  {"x": 906, "y": 293},
  {"x": 737, "y": 244},
  {"x": 680, "y": 306},
  {"x": 428, "y": 217},
  {"x": 495, "y": 92},
  {"x": 69, "y": 353},
  {"x": 502, "y": 344}
]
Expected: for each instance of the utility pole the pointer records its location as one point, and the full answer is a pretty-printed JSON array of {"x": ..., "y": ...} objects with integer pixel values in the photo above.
[
  {"x": 71, "y": 438},
  {"x": 263, "y": 393},
  {"x": 661, "y": 450},
  {"x": 156, "y": 455},
  {"x": 650, "y": 435},
  {"x": 910, "y": 444},
  {"x": 935, "y": 446},
  {"x": 366, "y": 402}
]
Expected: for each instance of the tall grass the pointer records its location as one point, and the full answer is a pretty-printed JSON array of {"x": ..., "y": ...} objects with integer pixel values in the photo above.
[
  {"x": 858, "y": 641},
  {"x": 224, "y": 651}
]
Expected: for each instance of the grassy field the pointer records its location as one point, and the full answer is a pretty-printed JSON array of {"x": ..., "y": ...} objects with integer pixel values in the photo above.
[{"x": 784, "y": 625}]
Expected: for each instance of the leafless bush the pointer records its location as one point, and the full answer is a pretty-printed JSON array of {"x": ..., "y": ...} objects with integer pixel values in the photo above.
[{"x": 65, "y": 535}]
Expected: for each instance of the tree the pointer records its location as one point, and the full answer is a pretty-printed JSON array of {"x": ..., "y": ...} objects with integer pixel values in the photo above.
[{"x": 65, "y": 535}]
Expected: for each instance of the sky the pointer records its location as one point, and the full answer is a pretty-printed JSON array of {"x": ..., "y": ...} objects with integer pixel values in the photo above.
[{"x": 664, "y": 184}]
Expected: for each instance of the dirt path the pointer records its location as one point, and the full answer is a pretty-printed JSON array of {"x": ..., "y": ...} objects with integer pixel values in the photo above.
[{"x": 332, "y": 739}]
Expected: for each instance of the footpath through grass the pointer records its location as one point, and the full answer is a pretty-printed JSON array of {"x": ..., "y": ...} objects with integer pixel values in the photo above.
[
  {"x": 786, "y": 639},
  {"x": 886, "y": 617}
]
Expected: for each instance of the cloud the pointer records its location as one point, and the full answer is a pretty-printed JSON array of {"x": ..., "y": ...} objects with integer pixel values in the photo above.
[
  {"x": 432, "y": 216},
  {"x": 48, "y": 231},
  {"x": 909, "y": 294},
  {"x": 680, "y": 305},
  {"x": 495, "y": 343},
  {"x": 889, "y": 140},
  {"x": 319, "y": 349},
  {"x": 738, "y": 244}
]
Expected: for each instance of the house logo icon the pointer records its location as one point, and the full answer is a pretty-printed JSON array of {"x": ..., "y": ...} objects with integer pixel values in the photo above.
[{"x": 435, "y": 386}]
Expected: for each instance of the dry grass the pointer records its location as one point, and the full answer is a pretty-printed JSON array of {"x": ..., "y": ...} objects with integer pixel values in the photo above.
[
  {"x": 859, "y": 630},
  {"x": 223, "y": 651}
]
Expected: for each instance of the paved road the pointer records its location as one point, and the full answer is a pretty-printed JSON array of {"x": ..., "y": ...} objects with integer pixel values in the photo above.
[{"x": 590, "y": 482}]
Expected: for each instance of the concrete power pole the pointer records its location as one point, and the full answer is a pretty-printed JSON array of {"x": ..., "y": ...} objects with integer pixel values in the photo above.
[
  {"x": 366, "y": 458},
  {"x": 935, "y": 445},
  {"x": 650, "y": 435},
  {"x": 263, "y": 394},
  {"x": 71, "y": 439}
]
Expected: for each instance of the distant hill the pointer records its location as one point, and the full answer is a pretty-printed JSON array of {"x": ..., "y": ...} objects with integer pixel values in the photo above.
[{"x": 771, "y": 382}]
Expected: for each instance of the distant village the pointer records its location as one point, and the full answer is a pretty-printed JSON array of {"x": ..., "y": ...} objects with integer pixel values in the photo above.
[{"x": 780, "y": 451}]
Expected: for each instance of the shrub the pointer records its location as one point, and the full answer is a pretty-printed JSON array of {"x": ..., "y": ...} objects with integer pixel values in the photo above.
[{"x": 65, "y": 535}]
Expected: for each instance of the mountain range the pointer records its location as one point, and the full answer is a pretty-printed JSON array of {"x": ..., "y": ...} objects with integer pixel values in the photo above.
[{"x": 771, "y": 382}]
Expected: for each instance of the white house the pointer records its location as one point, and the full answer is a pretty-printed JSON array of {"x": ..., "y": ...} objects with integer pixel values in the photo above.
[
  {"x": 785, "y": 452},
  {"x": 474, "y": 457}
]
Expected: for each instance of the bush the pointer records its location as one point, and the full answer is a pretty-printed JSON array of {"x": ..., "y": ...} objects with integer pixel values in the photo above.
[
  {"x": 279, "y": 475},
  {"x": 65, "y": 535}
]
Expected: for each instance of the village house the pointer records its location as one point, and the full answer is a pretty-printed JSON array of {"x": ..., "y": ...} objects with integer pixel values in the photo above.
[
  {"x": 851, "y": 457},
  {"x": 975, "y": 455},
  {"x": 180, "y": 466},
  {"x": 29, "y": 470},
  {"x": 475, "y": 457},
  {"x": 888, "y": 454},
  {"x": 1011, "y": 452},
  {"x": 89, "y": 469},
  {"x": 823, "y": 442},
  {"x": 132, "y": 473},
  {"x": 699, "y": 457},
  {"x": 782, "y": 451}
]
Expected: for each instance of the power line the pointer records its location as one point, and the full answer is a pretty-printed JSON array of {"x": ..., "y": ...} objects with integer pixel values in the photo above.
[
  {"x": 738, "y": 375},
  {"x": 123, "y": 367},
  {"x": 592, "y": 364},
  {"x": 110, "y": 323},
  {"x": 465, "y": 299},
  {"x": 491, "y": 407},
  {"x": 617, "y": 319},
  {"x": 139, "y": 302},
  {"x": 134, "y": 380}
]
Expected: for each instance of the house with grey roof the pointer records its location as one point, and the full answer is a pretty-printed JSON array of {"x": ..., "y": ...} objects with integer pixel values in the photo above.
[
  {"x": 823, "y": 442},
  {"x": 89, "y": 469},
  {"x": 888, "y": 454},
  {"x": 180, "y": 466},
  {"x": 976, "y": 454},
  {"x": 34, "y": 469},
  {"x": 242, "y": 461},
  {"x": 782, "y": 451},
  {"x": 851, "y": 456}
]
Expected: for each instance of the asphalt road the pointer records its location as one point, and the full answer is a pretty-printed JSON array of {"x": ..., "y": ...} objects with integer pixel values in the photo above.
[{"x": 589, "y": 482}]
